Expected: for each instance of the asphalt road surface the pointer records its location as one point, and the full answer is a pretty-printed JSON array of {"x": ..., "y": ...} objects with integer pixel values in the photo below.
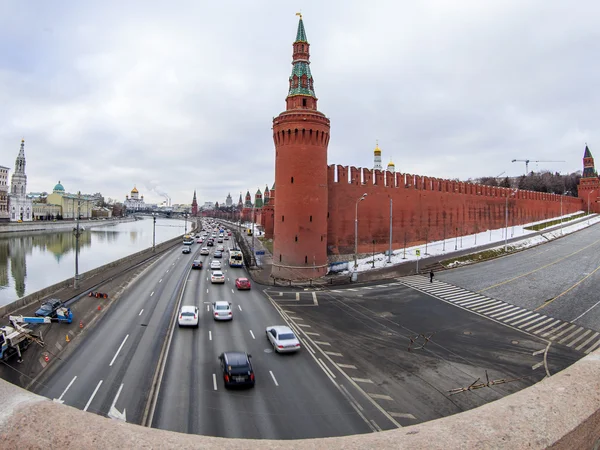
[{"x": 559, "y": 279}]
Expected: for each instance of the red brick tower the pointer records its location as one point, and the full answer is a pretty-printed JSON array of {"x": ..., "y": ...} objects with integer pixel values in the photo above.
[
  {"x": 589, "y": 184},
  {"x": 194, "y": 205},
  {"x": 301, "y": 137}
]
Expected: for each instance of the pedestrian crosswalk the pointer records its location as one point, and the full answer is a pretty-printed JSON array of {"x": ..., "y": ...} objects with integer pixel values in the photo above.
[{"x": 559, "y": 331}]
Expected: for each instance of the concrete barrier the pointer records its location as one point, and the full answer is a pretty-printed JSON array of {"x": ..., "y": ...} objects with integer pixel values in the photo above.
[
  {"x": 100, "y": 273},
  {"x": 560, "y": 412}
]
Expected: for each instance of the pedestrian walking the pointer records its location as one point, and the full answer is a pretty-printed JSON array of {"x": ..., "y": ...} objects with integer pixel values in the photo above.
[{"x": 431, "y": 276}]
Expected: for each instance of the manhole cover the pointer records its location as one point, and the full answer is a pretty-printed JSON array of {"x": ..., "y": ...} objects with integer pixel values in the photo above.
[
  {"x": 468, "y": 333},
  {"x": 268, "y": 350},
  {"x": 514, "y": 342}
]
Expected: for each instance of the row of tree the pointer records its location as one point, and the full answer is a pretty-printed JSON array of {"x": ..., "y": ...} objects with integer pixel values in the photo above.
[{"x": 553, "y": 183}]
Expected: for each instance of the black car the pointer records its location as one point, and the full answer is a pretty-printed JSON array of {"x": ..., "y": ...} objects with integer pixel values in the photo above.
[
  {"x": 218, "y": 254},
  {"x": 237, "y": 369},
  {"x": 48, "y": 308},
  {"x": 186, "y": 250},
  {"x": 196, "y": 264},
  {"x": 209, "y": 243}
]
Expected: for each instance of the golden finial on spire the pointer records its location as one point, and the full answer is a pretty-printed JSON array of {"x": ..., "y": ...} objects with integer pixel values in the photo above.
[
  {"x": 22, "y": 139},
  {"x": 299, "y": 14}
]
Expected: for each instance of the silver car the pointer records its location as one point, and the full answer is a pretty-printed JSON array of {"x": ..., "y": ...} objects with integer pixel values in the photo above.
[
  {"x": 222, "y": 311},
  {"x": 282, "y": 339}
]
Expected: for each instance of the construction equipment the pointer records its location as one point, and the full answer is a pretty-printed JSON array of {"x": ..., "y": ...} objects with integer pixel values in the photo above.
[
  {"x": 16, "y": 337},
  {"x": 527, "y": 161}
]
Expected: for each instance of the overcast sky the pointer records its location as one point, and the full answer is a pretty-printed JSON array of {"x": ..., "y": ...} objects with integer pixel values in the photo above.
[{"x": 177, "y": 96}]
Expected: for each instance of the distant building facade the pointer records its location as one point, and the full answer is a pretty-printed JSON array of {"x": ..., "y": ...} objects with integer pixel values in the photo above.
[
  {"x": 4, "y": 214},
  {"x": 20, "y": 205},
  {"x": 70, "y": 203}
]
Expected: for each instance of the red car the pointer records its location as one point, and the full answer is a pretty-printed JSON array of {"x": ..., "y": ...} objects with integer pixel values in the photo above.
[{"x": 242, "y": 283}]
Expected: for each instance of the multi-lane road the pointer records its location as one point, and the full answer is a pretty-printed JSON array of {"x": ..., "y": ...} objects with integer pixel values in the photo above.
[
  {"x": 375, "y": 356},
  {"x": 114, "y": 371}
]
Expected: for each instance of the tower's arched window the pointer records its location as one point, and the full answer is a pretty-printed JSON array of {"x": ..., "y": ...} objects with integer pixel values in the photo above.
[
  {"x": 305, "y": 259},
  {"x": 292, "y": 180},
  {"x": 304, "y": 102}
]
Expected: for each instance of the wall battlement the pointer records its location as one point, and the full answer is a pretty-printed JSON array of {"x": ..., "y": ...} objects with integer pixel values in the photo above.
[
  {"x": 360, "y": 176},
  {"x": 425, "y": 209}
]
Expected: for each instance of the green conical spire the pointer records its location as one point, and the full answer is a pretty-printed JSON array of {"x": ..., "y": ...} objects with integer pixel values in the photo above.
[
  {"x": 587, "y": 153},
  {"x": 301, "y": 34}
]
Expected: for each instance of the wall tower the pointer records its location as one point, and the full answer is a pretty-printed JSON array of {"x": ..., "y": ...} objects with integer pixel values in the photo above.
[
  {"x": 589, "y": 184},
  {"x": 194, "y": 205},
  {"x": 301, "y": 137}
]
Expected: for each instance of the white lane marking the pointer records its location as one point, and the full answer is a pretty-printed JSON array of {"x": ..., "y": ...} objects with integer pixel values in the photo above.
[
  {"x": 167, "y": 270},
  {"x": 325, "y": 368},
  {"x": 333, "y": 354},
  {"x": 87, "y": 405},
  {"x": 232, "y": 291},
  {"x": 305, "y": 343},
  {"x": 572, "y": 335},
  {"x": 322, "y": 343},
  {"x": 303, "y": 325},
  {"x": 117, "y": 354},
  {"x": 58, "y": 346},
  {"x": 160, "y": 281},
  {"x": 252, "y": 334},
  {"x": 402, "y": 415},
  {"x": 587, "y": 341},
  {"x": 518, "y": 311},
  {"x": 141, "y": 312},
  {"x": 585, "y": 312},
  {"x": 526, "y": 324},
  {"x": 538, "y": 352},
  {"x": 538, "y": 365},
  {"x": 152, "y": 294},
  {"x": 537, "y": 325},
  {"x": 347, "y": 366},
  {"x": 381, "y": 397},
  {"x": 311, "y": 333},
  {"x": 579, "y": 338},
  {"x": 214, "y": 381},
  {"x": 546, "y": 327},
  {"x": 274, "y": 380},
  {"x": 210, "y": 335},
  {"x": 554, "y": 330},
  {"x": 208, "y": 307},
  {"x": 297, "y": 296},
  {"x": 592, "y": 347},
  {"x": 566, "y": 330},
  {"x": 240, "y": 308},
  {"x": 296, "y": 318},
  {"x": 362, "y": 380},
  {"x": 207, "y": 290},
  {"x": 59, "y": 399},
  {"x": 314, "y": 295},
  {"x": 114, "y": 413}
]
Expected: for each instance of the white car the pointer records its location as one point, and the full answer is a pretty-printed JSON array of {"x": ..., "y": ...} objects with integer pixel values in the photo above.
[
  {"x": 283, "y": 339},
  {"x": 204, "y": 251},
  {"x": 220, "y": 248},
  {"x": 217, "y": 277},
  {"x": 222, "y": 311},
  {"x": 215, "y": 265},
  {"x": 188, "y": 317}
]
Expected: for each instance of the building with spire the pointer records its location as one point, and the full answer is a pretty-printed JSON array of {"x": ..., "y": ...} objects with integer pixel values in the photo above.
[
  {"x": 229, "y": 201},
  {"x": 301, "y": 137},
  {"x": 194, "y": 205},
  {"x": 4, "y": 213},
  {"x": 377, "y": 157},
  {"x": 589, "y": 184},
  {"x": 20, "y": 205}
]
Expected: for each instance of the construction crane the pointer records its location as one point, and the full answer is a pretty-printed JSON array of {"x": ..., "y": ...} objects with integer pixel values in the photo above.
[{"x": 527, "y": 161}]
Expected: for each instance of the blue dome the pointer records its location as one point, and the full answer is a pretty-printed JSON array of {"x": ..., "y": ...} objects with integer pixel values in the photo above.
[{"x": 59, "y": 187}]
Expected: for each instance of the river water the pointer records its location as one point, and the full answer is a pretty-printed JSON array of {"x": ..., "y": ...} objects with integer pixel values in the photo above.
[{"x": 32, "y": 261}]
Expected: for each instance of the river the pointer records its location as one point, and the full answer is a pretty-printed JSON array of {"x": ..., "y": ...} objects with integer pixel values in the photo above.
[{"x": 32, "y": 261}]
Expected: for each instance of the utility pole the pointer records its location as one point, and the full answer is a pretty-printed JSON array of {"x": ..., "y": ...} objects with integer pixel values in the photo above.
[
  {"x": 253, "y": 258},
  {"x": 77, "y": 234},
  {"x": 373, "y": 266}
]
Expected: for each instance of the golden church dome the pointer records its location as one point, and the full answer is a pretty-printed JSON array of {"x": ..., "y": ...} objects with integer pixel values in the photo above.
[
  {"x": 391, "y": 164},
  {"x": 134, "y": 190},
  {"x": 377, "y": 150}
]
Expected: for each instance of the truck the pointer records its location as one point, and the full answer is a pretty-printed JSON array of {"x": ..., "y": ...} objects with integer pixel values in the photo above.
[{"x": 17, "y": 337}]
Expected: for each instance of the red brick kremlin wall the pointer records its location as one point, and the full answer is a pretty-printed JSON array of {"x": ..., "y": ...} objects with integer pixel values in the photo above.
[{"x": 424, "y": 208}]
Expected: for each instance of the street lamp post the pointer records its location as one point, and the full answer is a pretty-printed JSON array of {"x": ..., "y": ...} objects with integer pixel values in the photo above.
[
  {"x": 506, "y": 220},
  {"x": 356, "y": 230},
  {"x": 390, "y": 249},
  {"x": 561, "y": 215},
  {"x": 154, "y": 232},
  {"x": 373, "y": 266},
  {"x": 76, "y": 279},
  {"x": 253, "y": 258}
]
